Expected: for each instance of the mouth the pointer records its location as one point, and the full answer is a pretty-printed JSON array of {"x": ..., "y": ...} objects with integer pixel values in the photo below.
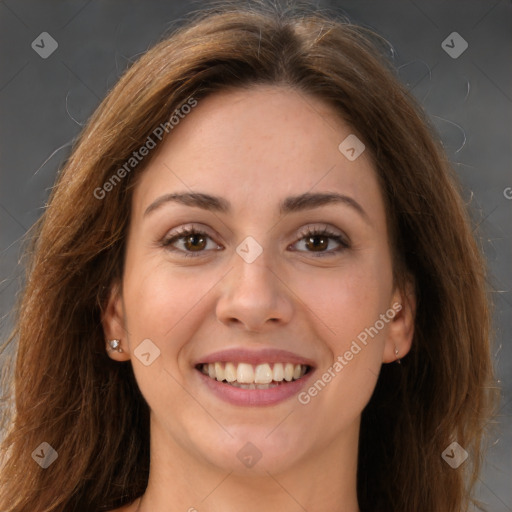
[{"x": 248, "y": 376}]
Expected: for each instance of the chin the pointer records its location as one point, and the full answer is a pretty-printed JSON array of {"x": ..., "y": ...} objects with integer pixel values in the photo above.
[{"x": 254, "y": 449}]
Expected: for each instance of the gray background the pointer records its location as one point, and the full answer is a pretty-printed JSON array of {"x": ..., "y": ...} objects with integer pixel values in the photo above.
[{"x": 44, "y": 103}]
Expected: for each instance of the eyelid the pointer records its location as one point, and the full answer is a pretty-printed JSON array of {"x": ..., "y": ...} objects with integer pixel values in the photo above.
[
  {"x": 182, "y": 231},
  {"x": 186, "y": 228},
  {"x": 309, "y": 230},
  {"x": 334, "y": 234},
  {"x": 322, "y": 228}
]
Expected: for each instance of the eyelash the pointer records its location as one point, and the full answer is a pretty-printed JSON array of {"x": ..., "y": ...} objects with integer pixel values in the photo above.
[
  {"x": 325, "y": 232},
  {"x": 183, "y": 233},
  {"x": 309, "y": 232}
]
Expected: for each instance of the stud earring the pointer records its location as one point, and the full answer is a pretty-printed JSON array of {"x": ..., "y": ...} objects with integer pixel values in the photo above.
[
  {"x": 396, "y": 354},
  {"x": 114, "y": 345}
]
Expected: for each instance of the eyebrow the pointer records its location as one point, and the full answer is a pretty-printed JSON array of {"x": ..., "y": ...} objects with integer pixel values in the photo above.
[{"x": 301, "y": 202}]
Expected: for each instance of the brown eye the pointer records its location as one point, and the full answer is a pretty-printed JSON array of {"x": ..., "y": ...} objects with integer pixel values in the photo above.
[
  {"x": 317, "y": 243},
  {"x": 321, "y": 242},
  {"x": 190, "y": 242},
  {"x": 194, "y": 242}
]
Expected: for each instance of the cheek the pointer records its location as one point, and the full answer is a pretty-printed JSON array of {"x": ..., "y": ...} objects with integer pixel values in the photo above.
[
  {"x": 346, "y": 306},
  {"x": 346, "y": 300},
  {"x": 165, "y": 303},
  {"x": 349, "y": 303},
  {"x": 166, "y": 307},
  {"x": 152, "y": 304}
]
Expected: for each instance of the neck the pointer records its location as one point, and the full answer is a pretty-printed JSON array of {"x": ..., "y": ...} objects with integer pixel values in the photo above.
[{"x": 183, "y": 481}]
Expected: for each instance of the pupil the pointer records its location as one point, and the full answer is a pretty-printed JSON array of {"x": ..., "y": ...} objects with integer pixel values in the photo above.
[
  {"x": 195, "y": 242},
  {"x": 317, "y": 242}
]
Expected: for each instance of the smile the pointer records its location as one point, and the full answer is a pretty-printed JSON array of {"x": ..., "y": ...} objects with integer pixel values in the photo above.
[
  {"x": 243, "y": 377},
  {"x": 248, "y": 376}
]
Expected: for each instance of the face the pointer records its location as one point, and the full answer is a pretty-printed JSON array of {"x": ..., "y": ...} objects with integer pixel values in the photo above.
[{"x": 258, "y": 254}]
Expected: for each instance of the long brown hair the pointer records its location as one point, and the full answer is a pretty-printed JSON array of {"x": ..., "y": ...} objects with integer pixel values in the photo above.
[{"x": 67, "y": 392}]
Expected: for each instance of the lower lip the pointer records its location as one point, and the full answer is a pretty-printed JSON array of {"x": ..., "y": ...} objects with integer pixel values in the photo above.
[{"x": 255, "y": 397}]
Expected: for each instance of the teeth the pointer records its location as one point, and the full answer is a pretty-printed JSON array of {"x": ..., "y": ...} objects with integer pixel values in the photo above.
[
  {"x": 288, "y": 372},
  {"x": 263, "y": 374},
  {"x": 219, "y": 371},
  {"x": 247, "y": 376},
  {"x": 230, "y": 372},
  {"x": 278, "y": 374},
  {"x": 254, "y": 386}
]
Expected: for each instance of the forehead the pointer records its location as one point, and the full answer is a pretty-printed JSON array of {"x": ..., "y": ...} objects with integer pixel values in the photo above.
[{"x": 256, "y": 146}]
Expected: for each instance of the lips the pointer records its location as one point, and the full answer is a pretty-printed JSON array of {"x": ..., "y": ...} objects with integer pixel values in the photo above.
[
  {"x": 253, "y": 378},
  {"x": 255, "y": 357}
]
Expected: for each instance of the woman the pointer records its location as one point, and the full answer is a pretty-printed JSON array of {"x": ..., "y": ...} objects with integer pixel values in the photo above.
[{"x": 255, "y": 286}]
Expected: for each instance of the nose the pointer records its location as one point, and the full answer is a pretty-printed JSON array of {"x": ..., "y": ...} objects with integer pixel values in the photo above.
[{"x": 254, "y": 297}]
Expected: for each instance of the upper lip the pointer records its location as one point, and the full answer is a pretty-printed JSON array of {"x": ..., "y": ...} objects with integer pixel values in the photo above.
[{"x": 244, "y": 355}]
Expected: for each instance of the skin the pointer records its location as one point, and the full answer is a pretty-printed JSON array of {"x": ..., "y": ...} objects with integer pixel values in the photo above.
[{"x": 255, "y": 147}]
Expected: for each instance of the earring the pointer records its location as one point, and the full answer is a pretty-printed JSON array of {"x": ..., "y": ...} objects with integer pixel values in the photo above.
[
  {"x": 114, "y": 345},
  {"x": 396, "y": 354}
]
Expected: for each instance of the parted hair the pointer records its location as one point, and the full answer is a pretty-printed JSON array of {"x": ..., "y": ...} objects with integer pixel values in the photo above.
[{"x": 63, "y": 388}]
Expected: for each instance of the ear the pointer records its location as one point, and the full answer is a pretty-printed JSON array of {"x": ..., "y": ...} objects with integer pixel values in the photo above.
[
  {"x": 113, "y": 323},
  {"x": 401, "y": 328}
]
